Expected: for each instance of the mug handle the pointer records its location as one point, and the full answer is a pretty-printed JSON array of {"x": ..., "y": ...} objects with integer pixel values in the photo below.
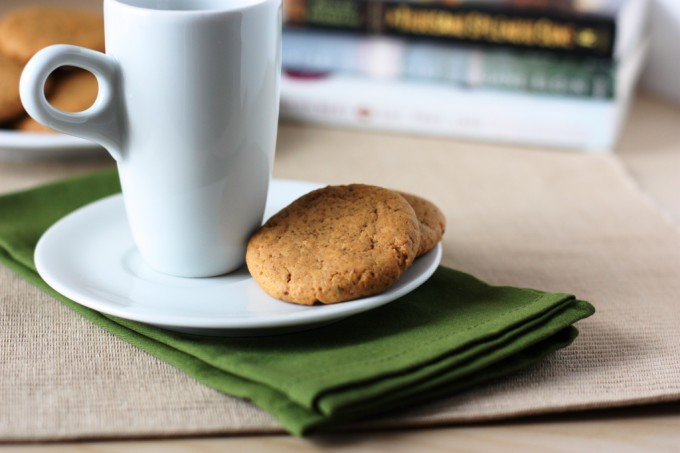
[{"x": 100, "y": 122}]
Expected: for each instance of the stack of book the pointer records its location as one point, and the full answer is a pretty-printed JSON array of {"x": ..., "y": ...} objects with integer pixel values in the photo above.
[{"x": 556, "y": 73}]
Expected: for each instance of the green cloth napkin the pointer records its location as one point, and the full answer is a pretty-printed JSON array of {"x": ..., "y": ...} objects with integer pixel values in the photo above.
[{"x": 451, "y": 333}]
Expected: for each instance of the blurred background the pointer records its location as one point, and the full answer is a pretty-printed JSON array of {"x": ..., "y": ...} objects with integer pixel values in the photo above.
[
  {"x": 551, "y": 74},
  {"x": 555, "y": 73}
]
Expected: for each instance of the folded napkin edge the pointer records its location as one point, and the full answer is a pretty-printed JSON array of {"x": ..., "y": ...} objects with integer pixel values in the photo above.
[
  {"x": 558, "y": 300},
  {"x": 501, "y": 346},
  {"x": 506, "y": 366}
]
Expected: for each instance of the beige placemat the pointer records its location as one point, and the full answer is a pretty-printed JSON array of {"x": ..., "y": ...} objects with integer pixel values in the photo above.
[{"x": 548, "y": 220}]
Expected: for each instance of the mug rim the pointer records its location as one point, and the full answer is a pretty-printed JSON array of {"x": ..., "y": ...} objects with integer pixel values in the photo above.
[{"x": 188, "y": 6}]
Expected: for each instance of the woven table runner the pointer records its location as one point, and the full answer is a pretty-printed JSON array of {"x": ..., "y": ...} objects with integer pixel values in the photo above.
[{"x": 545, "y": 220}]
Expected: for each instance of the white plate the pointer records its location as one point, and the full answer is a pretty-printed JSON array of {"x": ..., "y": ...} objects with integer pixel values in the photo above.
[
  {"x": 35, "y": 145},
  {"x": 16, "y": 145},
  {"x": 89, "y": 256}
]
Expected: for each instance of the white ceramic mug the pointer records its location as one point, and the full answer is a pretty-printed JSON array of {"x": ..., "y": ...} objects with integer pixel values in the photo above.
[{"x": 188, "y": 107}]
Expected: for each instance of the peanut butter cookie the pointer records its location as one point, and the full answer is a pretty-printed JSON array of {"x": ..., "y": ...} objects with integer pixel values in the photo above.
[
  {"x": 10, "y": 102},
  {"x": 26, "y": 30},
  {"x": 335, "y": 244},
  {"x": 431, "y": 219}
]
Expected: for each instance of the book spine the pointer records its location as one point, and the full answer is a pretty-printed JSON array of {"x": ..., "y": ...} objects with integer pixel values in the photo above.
[
  {"x": 497, "y": 24},
  {"x": 426, "y": 109},
  {"x": 536, "y": 75},
  {"x": 449, "y": 64}
]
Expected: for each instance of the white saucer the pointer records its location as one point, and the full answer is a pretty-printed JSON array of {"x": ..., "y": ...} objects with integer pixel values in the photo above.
[{"x": 89, "y": 256}]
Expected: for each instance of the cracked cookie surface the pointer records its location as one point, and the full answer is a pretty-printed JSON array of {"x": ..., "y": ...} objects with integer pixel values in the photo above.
[{"x": 335, "y": 244}]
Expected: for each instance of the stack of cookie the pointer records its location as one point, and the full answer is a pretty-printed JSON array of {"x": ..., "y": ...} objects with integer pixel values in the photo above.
[
  {"x": 25, "y": 31},
  {"x": 341, "y": 243}
]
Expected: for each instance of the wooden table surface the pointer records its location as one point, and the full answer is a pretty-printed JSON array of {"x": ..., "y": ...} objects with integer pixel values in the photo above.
[
  {"x": 649, "y": 429},
  {"x": 649, "y": 149}
]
